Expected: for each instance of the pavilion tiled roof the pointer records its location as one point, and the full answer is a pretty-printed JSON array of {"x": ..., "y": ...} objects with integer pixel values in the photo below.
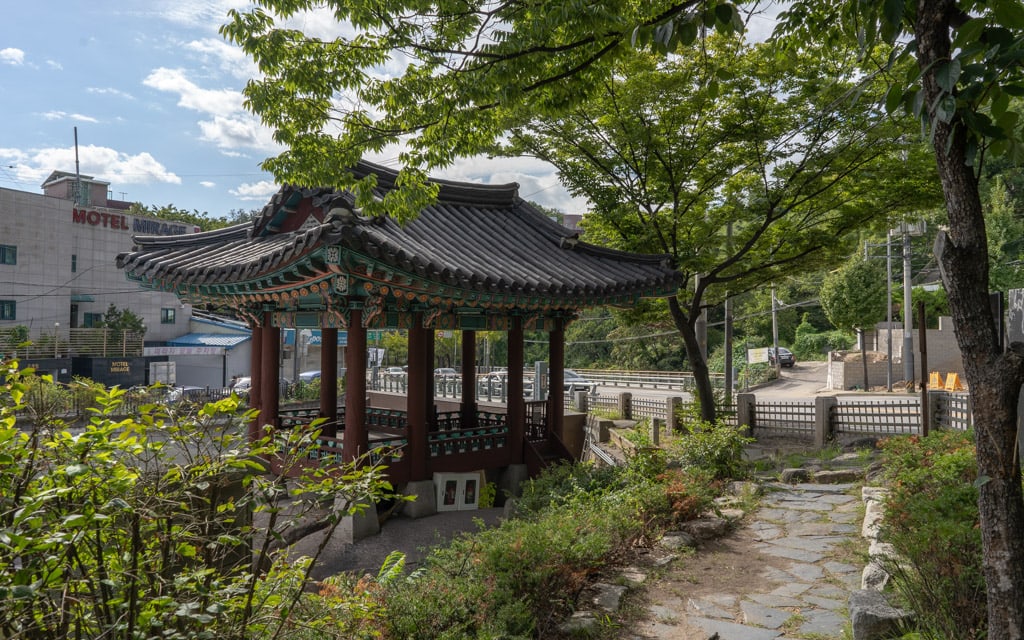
[{"x": 475, "y": 239}]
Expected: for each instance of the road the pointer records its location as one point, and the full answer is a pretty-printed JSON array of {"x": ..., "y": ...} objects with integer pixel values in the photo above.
[{"x": 803, "y": 380}]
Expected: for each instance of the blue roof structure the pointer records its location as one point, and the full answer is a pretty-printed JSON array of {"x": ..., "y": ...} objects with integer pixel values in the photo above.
[{"x": 226, "y": 340}]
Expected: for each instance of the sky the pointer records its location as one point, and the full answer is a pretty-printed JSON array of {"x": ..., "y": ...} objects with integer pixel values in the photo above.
[{"x": 156, "y": 95}]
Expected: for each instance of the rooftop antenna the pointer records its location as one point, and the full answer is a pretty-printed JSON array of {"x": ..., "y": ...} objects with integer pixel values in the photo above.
[{"x": 78, "y": 175}]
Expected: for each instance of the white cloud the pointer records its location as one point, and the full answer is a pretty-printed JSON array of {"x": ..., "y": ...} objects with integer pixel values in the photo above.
[
  {"x": 207, "y": 184},
  {"x": 206, "y": 14},
  {"x": 63, "y": 115},
  {"x": 192, "y": 96},
  {"x": 226, "y": 57},
  {"x": 53, "y": 64},
  {"x": 102, "y": 162},
  {"x": 110, "y": 91},
  {"x": 261, "y": 190},
  {"x": 238, "y": 131},
  {"x": 538, "y": 181},
  {"x": 12, "y": 56}
]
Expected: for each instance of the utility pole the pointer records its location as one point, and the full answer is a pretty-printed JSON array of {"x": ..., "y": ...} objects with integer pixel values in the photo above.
[
  {"x": 908, "y": 312},
  {"x": 775, "y": 333},
  {"x": 888, "y": 309}
]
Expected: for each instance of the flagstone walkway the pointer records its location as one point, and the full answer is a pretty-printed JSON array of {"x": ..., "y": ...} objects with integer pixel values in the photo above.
[{"x": 785, "y": 573}]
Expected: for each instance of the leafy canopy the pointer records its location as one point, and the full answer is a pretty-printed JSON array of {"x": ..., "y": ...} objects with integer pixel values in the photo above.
[
  {"x": 445, "y": 77},
  {"x": 744, "y": 164}
]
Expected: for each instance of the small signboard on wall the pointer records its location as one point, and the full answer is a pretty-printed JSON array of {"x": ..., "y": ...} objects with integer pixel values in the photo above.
[{"x": 757, "y": 355}]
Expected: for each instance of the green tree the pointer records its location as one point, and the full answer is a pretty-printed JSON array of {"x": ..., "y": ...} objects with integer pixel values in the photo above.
[
  {"x": 854, "y": 298},
  {"x": 172, "y": 213},
  {"x": 1005, "y": 231},
  {"x": 123, "y": 320},
  {"x": 956, "y": 67},
  {"x": 470, "y": 70},
  {"x": 734, "y": 164},
  {"x": 396, "y": 347}
]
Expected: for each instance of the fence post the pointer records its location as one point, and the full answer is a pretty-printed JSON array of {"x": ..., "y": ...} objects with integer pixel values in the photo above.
[
  {"x": 938, "y": 411},
  {"x": 625, "y": 405},
  {"x": 745, "y": 411},
  {"x": 671, "y": 408},
  {"x": 581, "y": 399},
  {"x": 655, "y": 434},
  {"x": 823, "y": 428}
]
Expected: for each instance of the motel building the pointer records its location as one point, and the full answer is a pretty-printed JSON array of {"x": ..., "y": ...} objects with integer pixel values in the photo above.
[{"x": 58, "y": 277}]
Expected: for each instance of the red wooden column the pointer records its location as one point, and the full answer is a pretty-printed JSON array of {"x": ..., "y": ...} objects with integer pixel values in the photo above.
[
  {"x": 428, "y": 389},
  {"x": 270, "y": 373},
  {"x": 516, "y": 408},
  {"x": 468, "y": 379},
  {"x": 556, "y": 377},
  {"x": 420, "y": 388},
  {"x": 255, "y": 377},
  {"x": 357, "y": 438},
  {"x": 329, "y": 379}
]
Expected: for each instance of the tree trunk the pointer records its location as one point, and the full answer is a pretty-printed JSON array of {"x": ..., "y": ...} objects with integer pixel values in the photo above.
[
  {"x": 686, "y": 324},
  {"x": 994, "y": 377}
]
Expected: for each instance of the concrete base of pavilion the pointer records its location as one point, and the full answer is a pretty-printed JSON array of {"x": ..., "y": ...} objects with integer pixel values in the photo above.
[
  {"x": 511, "y": 480},
  {"x": 358, "y": 526},
  {"x": 425, "y": 502}
]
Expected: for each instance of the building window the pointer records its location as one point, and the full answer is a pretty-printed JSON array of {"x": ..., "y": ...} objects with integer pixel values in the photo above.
[
  {"x": 167, "y": 315},
  {"x": 7, "y": 310},
  {"x": 8, "y": 254},
  {"x": 92, "y": 320},
  {"x": 74, "y": 263}
]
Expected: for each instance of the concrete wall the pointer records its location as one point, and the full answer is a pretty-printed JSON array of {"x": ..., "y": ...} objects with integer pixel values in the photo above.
[{"x": 46, "y": 234}]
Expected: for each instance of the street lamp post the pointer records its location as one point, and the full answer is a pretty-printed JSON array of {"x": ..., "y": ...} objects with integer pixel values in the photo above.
[{"x": 56, "y": 340}]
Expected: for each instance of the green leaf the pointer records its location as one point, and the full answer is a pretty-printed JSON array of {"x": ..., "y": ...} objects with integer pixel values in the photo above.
[
  {"x": 947, "y": 74},
  {"x": 981, "y": 481},
  {"x": 893, "y": 12},
  {"x": 893, "y": 98},
  {"x": 1009, "y": 13}
]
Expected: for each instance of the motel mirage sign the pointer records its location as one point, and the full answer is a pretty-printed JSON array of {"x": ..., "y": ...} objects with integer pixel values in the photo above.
[{"x": 119, "y": 222}]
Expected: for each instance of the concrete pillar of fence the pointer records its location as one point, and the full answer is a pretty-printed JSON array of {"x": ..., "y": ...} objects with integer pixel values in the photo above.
[
  {"x": 656, "y": 426},
  {"x": 579, "y": 400},
  {"x": 823, "y": 430},
  {"x": 625, "y": 405},
  {"x": 745, "y": 411},
  {"x": 671, "y": 408},
  {"x": 938, "y": 410}
]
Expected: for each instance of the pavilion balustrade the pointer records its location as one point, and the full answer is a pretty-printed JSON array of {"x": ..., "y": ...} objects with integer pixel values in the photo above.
[{"x": 452, "y": 445}]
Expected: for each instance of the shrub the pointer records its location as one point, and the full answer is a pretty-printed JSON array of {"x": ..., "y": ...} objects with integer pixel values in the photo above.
[
  {"x": 716, "y": 448},
  {"x": 931, "y": 519},
  {"x": 143, "y": 527}
]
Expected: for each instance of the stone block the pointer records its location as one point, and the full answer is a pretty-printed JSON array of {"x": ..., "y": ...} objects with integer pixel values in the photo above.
[
  {"x": 837, "y": 476},
  {"x": 608, "y": 597},
  {"x": 356, "y": 527},
  {"x": 424, "y": 505},
  {"x": 795, "y": 475},
  {"x": 706, "y": 528},
  {"x": 873, "y": 618}
]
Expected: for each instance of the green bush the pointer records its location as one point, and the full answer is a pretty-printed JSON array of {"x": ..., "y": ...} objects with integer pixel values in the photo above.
[
  {"x": 931, "y": 519},
  {"x": 144, "y": 527},
  {"x": 521, "y": 579},
  {"x": 715, "y": 448}
]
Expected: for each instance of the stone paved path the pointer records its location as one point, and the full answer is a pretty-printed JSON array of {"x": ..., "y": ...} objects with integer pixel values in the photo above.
[{"x": 801, "y": 587}]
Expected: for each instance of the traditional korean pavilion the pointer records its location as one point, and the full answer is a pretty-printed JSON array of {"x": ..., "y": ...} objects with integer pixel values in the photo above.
[{"x": 480, "y": 258}]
